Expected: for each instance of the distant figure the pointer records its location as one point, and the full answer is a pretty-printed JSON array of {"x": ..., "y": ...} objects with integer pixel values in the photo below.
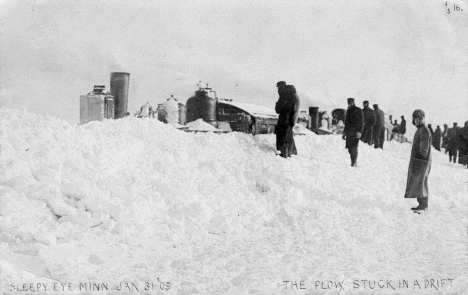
[
  {"x": 369, "y": 123},
  {"x": 437, "y": 137},
  {"x": 379, "y": 128},
  {"x": 453, "y": 142},
  {"x": 403, "y": 126},
  {"x": 395, "y": 130},
  {"x": 145, "y": 111},
  {"x": 420, "y": 163},
  {"x": 354, "y": 124},
  {"x": 401, "y": 136},
  {"x": 281, "y": 125},
  {"x": 290, "y": 111},
  {"x": 445, "y": 138},
  {"x": 431, "y": 130},
  {"x": 463, "y": 147}
]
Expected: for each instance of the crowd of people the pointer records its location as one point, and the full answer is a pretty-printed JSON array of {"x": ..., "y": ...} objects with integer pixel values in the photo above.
[
  {"x": 369, "y": 126},
  {"x": 454, "y": 140}
]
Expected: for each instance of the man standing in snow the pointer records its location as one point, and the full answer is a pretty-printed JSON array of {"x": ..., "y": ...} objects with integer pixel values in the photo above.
[
  {"x": 402, "y": 129},
  {"x": 290, "y": 111},
  {"x": 437, "y": 136},
  {"x": 281, "y": 124},
  {"x": 354, "y": 124},
  {"x": 379, "y": 128},
  {"x": 453, "y": 142},
  {"x": 369, "y": 123},
  {"x": 445, "y": 138},
  {"x": 403, "y": 126},
  {"x": 420, "y": 163}
]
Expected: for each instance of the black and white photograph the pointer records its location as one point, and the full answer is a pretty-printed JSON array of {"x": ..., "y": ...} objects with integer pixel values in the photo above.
[{"x": 233, "y": 147}]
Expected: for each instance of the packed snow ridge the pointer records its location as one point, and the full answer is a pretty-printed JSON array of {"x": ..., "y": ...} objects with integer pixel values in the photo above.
[{"x": 139, "y": 178}]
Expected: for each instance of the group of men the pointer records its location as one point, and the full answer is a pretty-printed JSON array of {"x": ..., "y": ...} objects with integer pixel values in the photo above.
[
  {"x": 366, "y": 125},
  {"x": 454, "y": 140},
  {"x": 398, "y": 129},
  {"x": 361, "y": 124}
]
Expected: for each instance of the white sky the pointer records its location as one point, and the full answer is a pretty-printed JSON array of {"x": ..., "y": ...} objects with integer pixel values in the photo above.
[{"x": 402, "y": 55}]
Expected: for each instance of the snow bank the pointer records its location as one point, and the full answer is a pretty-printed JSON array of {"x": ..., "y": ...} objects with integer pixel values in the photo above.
[{"x": 130, "y": 199}]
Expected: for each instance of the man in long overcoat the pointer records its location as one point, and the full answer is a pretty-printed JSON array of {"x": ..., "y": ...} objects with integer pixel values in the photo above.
[
  {"x": 288, "y": 113},
  {"x": 445, "y": 138},
  {"x": 379, "y": 128},
  {"x": 281, "y": 125},
  {"x": 453, "y": 140},
  {"x": 437, "y": 137},
  {"x": 354, "y": 124},
  {"x": 420, "y": 163},
  {"x": 403, "y": 125},
  {"x": 369, "y": 123}
]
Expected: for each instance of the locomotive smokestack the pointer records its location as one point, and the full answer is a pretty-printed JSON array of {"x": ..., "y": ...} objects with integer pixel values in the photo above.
[{"x": 119, "y": 89}]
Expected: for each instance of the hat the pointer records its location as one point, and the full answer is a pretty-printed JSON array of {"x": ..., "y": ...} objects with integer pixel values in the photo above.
[
  {"x": 366, "y": 101},
  {"x": 350, "y": 99},
  {"x": 281, "y": 84},
  {"x": 376, "y": 105},
  {"x": 418, "y": 114}
]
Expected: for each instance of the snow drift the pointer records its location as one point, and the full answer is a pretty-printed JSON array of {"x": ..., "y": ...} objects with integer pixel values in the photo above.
[{"x": 132, "y": 199}]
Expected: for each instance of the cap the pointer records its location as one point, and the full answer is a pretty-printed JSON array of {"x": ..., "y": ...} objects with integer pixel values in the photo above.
[
  {"x": 365, "y": 102},
  {"x": 376, "y": 105},
  {"x": 280, "y": 84},
  {"x": 418, "y": 114},
  {"x": 350, "y": 99}
]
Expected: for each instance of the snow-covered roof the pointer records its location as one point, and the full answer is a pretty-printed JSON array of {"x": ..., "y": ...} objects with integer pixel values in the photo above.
[{"x": 252, "y": 109}]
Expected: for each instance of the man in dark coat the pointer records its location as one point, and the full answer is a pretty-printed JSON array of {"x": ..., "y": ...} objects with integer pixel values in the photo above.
[
  {"x": 369, "y": 123},
  {"x": 379, "y": 128},
  {"x": 420, "y": 163},
  {"x": 403, "y": 126},
  {"x": 453, "y": 142},
  {"x": 281, "y": 124},
  {"x": 289, "y": 112},
  {"x": 463, "y": 146},
  {"x": 437, "y": 136},
  {"x": 445, "y": 138},
  {"x": 354, "y": 124}
]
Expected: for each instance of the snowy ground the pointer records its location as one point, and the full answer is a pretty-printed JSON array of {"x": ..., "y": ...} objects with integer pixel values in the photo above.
[{"x": 136, "y": 201}]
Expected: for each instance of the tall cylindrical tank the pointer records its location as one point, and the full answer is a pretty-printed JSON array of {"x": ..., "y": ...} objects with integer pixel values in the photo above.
[
  {"x": 119, "y": 89},
  {"x": 204, "y": 107},
  {"x": 314, "y": 117},
  {"x": 182, "y": 114}
]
